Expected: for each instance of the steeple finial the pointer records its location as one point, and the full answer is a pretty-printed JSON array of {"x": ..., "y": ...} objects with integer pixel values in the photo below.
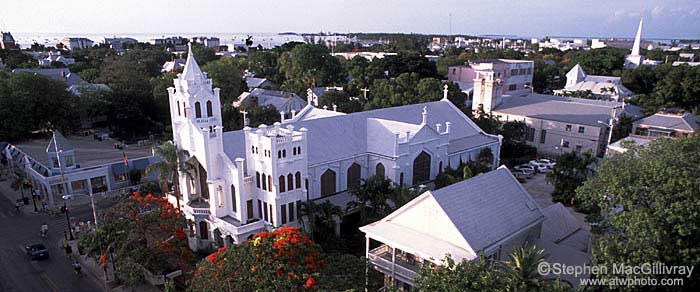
[{"x": 445, "y": 91}]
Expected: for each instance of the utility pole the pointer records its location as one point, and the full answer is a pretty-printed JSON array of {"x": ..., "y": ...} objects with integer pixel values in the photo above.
[{"x": 64, "y": 186}]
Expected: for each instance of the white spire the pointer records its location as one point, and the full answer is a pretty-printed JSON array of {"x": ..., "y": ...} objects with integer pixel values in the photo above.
[
  {"x": 637, "y": 39},
  {"x": 191, "y": 71}
]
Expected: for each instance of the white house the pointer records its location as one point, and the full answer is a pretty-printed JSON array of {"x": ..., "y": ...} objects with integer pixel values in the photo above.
[
  {"x": 55, "y": 57},
  {"x": 556, "y": 124},
  {"x": 488, "y": 214},
  {"x": 600, "y": 87},
  {"x": 76, "y": 43},
  {"x": 254, "y": 179}
]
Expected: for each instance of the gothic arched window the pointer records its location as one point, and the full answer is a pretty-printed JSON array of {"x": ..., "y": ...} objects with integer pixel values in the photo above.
[
  {"x": 233, "y": 198},
  {"x": 328, "y": 183},
  {"x": 379, "y": 170},
  {"x": 354, "y": 176},
  {"x": 290, "y": 181},
  {"x": 421, "y": 168},
  {"x": 264, "y": 183},
  {"x": 281, "y": 183},
  {"x": 298, "y": 179},
  {"x": 197, "y": 110},
  {"x": 209, "y": 109},
  {"x": 269, "y": 180}
]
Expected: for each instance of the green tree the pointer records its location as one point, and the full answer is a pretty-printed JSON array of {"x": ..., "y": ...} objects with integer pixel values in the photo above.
[
  {"x": 172, "y": 159},
  {"x": 314, "y": 62},
  {"x": 372, "y": 198},
  {"x": 30, "y": 102},
  {"x": 571, "y": 171},
  {"x": 622, "y": 128},
  {"x": 228, "y": 76},
  {"x": 648, "y": 202}
]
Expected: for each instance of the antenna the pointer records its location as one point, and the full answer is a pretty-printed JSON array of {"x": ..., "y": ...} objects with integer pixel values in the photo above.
[{"x": 450, "y": 24}]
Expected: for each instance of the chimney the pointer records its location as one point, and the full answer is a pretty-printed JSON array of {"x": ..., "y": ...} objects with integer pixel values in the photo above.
[
  {"x": 447, "y": 127},
  {"x": 408, "y": 135},
  {"x": 335, "y": 108},
  {"x": 438, "y": 127}
]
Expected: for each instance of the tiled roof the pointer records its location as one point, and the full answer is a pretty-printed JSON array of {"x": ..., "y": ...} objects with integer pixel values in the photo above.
[
  {"x": 60, "y": 74},
  {"x": 483, "y": 210},
  {"x": 563, "y": 109},
  {"x": 488, "y": 207},
  {"x": 282, "y": 101},
  {"x": 684, "y": 122}
]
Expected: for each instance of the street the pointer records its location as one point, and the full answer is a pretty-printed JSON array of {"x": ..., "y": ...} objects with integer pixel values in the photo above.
[{"x": 18, "y": 272}]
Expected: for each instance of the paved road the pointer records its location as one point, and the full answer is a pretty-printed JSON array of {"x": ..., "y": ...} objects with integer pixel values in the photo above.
[{"x": 18, "y": 273}]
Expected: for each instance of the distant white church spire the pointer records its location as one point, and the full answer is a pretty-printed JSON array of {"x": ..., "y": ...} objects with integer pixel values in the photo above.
[
  {"x": 191, "y": 71},
  {"x": 637, "y": 39}
]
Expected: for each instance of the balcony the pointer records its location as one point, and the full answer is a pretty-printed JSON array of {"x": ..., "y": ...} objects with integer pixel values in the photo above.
[{"x": 404, "y": 266}]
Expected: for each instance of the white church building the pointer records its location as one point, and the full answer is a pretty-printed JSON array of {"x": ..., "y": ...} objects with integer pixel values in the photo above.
[{"x": 255, "y": 179}]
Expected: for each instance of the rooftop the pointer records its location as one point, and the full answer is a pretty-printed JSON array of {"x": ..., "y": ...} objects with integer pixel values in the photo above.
[
  {"x": 60, "y": 74},
  {"x": 682, "y": 122},
  {"x": 461, "y": 219},
  {"x": 334, "y": 135},
  {"x": 88, "y": 151},
  {"x": 564, "y": 109}
]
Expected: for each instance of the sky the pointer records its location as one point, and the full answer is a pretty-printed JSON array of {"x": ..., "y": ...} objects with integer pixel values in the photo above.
[{"x": 662, "y": 19}]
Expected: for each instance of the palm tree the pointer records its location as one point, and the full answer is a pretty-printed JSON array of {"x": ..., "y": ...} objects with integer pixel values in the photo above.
[
  {"x": 371, "y": 198},
  {"x": 523, "y": 264},
  {"x": 402, "y": 195},
  {"x": 172, "y": 160},
  {"x": 308, "y": 210},
  {"x": 327, "y": 213}
]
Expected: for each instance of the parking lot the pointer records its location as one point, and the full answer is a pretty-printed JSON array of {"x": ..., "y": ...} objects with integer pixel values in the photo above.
[{"x": 539, "y": 189}]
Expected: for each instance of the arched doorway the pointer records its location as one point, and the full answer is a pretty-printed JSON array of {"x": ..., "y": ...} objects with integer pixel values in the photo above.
[
  {"x": 421, "y": 168},
  {"x": 354, "y": 176},
  {"x": 328, "y": 183},
  {"x": 203, "y": 230}
]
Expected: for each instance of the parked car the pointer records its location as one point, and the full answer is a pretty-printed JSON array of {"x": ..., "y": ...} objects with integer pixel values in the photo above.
[
  {"x": 37, "y": 251},
  {"x": 543, "y": 162},
  {"x": 526, "y": 168},
  {"x": 521, "y": 175}
]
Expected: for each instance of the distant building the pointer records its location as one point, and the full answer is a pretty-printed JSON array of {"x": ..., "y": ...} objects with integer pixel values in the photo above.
[
  {"x": 659, "y": 125},
  {"x": 514, "y": 75},
  {"x": 55, "y": 57},
  {"x": 177, "y": 41},
  {"x": 367, "y": 55},
  {"x": 207, "y": 42},
  {"x": 285, "y": 102},
  {"x": 314, "y": 94},
  {"x": 76, "y": 168},
  {"x": 600, "y": 87},
  {"x": 255, "y": 82},
  {"x": 555, "y": 124},
  {"x": 172, "y": 66},
  {"x": 598, "y": 44},
  {"x": 60, "y": 74},
  {"x": 488, "y": 215},
  {"x": 691, "y": 64},
  {"x": 117, "y": 44},
  {"x": 75, "y": 43},
  {"x": 8, "y": 42},
  {"x": 635, "y": 59}
]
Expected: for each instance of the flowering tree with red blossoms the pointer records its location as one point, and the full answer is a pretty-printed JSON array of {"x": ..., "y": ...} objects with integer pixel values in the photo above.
[
  {"x": 141, "y": 231},
  {"x": 282, "y": 260}
]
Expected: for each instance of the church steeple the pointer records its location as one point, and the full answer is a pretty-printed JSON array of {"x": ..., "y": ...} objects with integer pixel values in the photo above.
[
  {"x": 191, "y": 70},
  {"x": 637, "y": 39}
]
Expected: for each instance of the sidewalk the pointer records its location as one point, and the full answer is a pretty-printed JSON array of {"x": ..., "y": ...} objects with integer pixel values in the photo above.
[{"x": 12, "y": 195}]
